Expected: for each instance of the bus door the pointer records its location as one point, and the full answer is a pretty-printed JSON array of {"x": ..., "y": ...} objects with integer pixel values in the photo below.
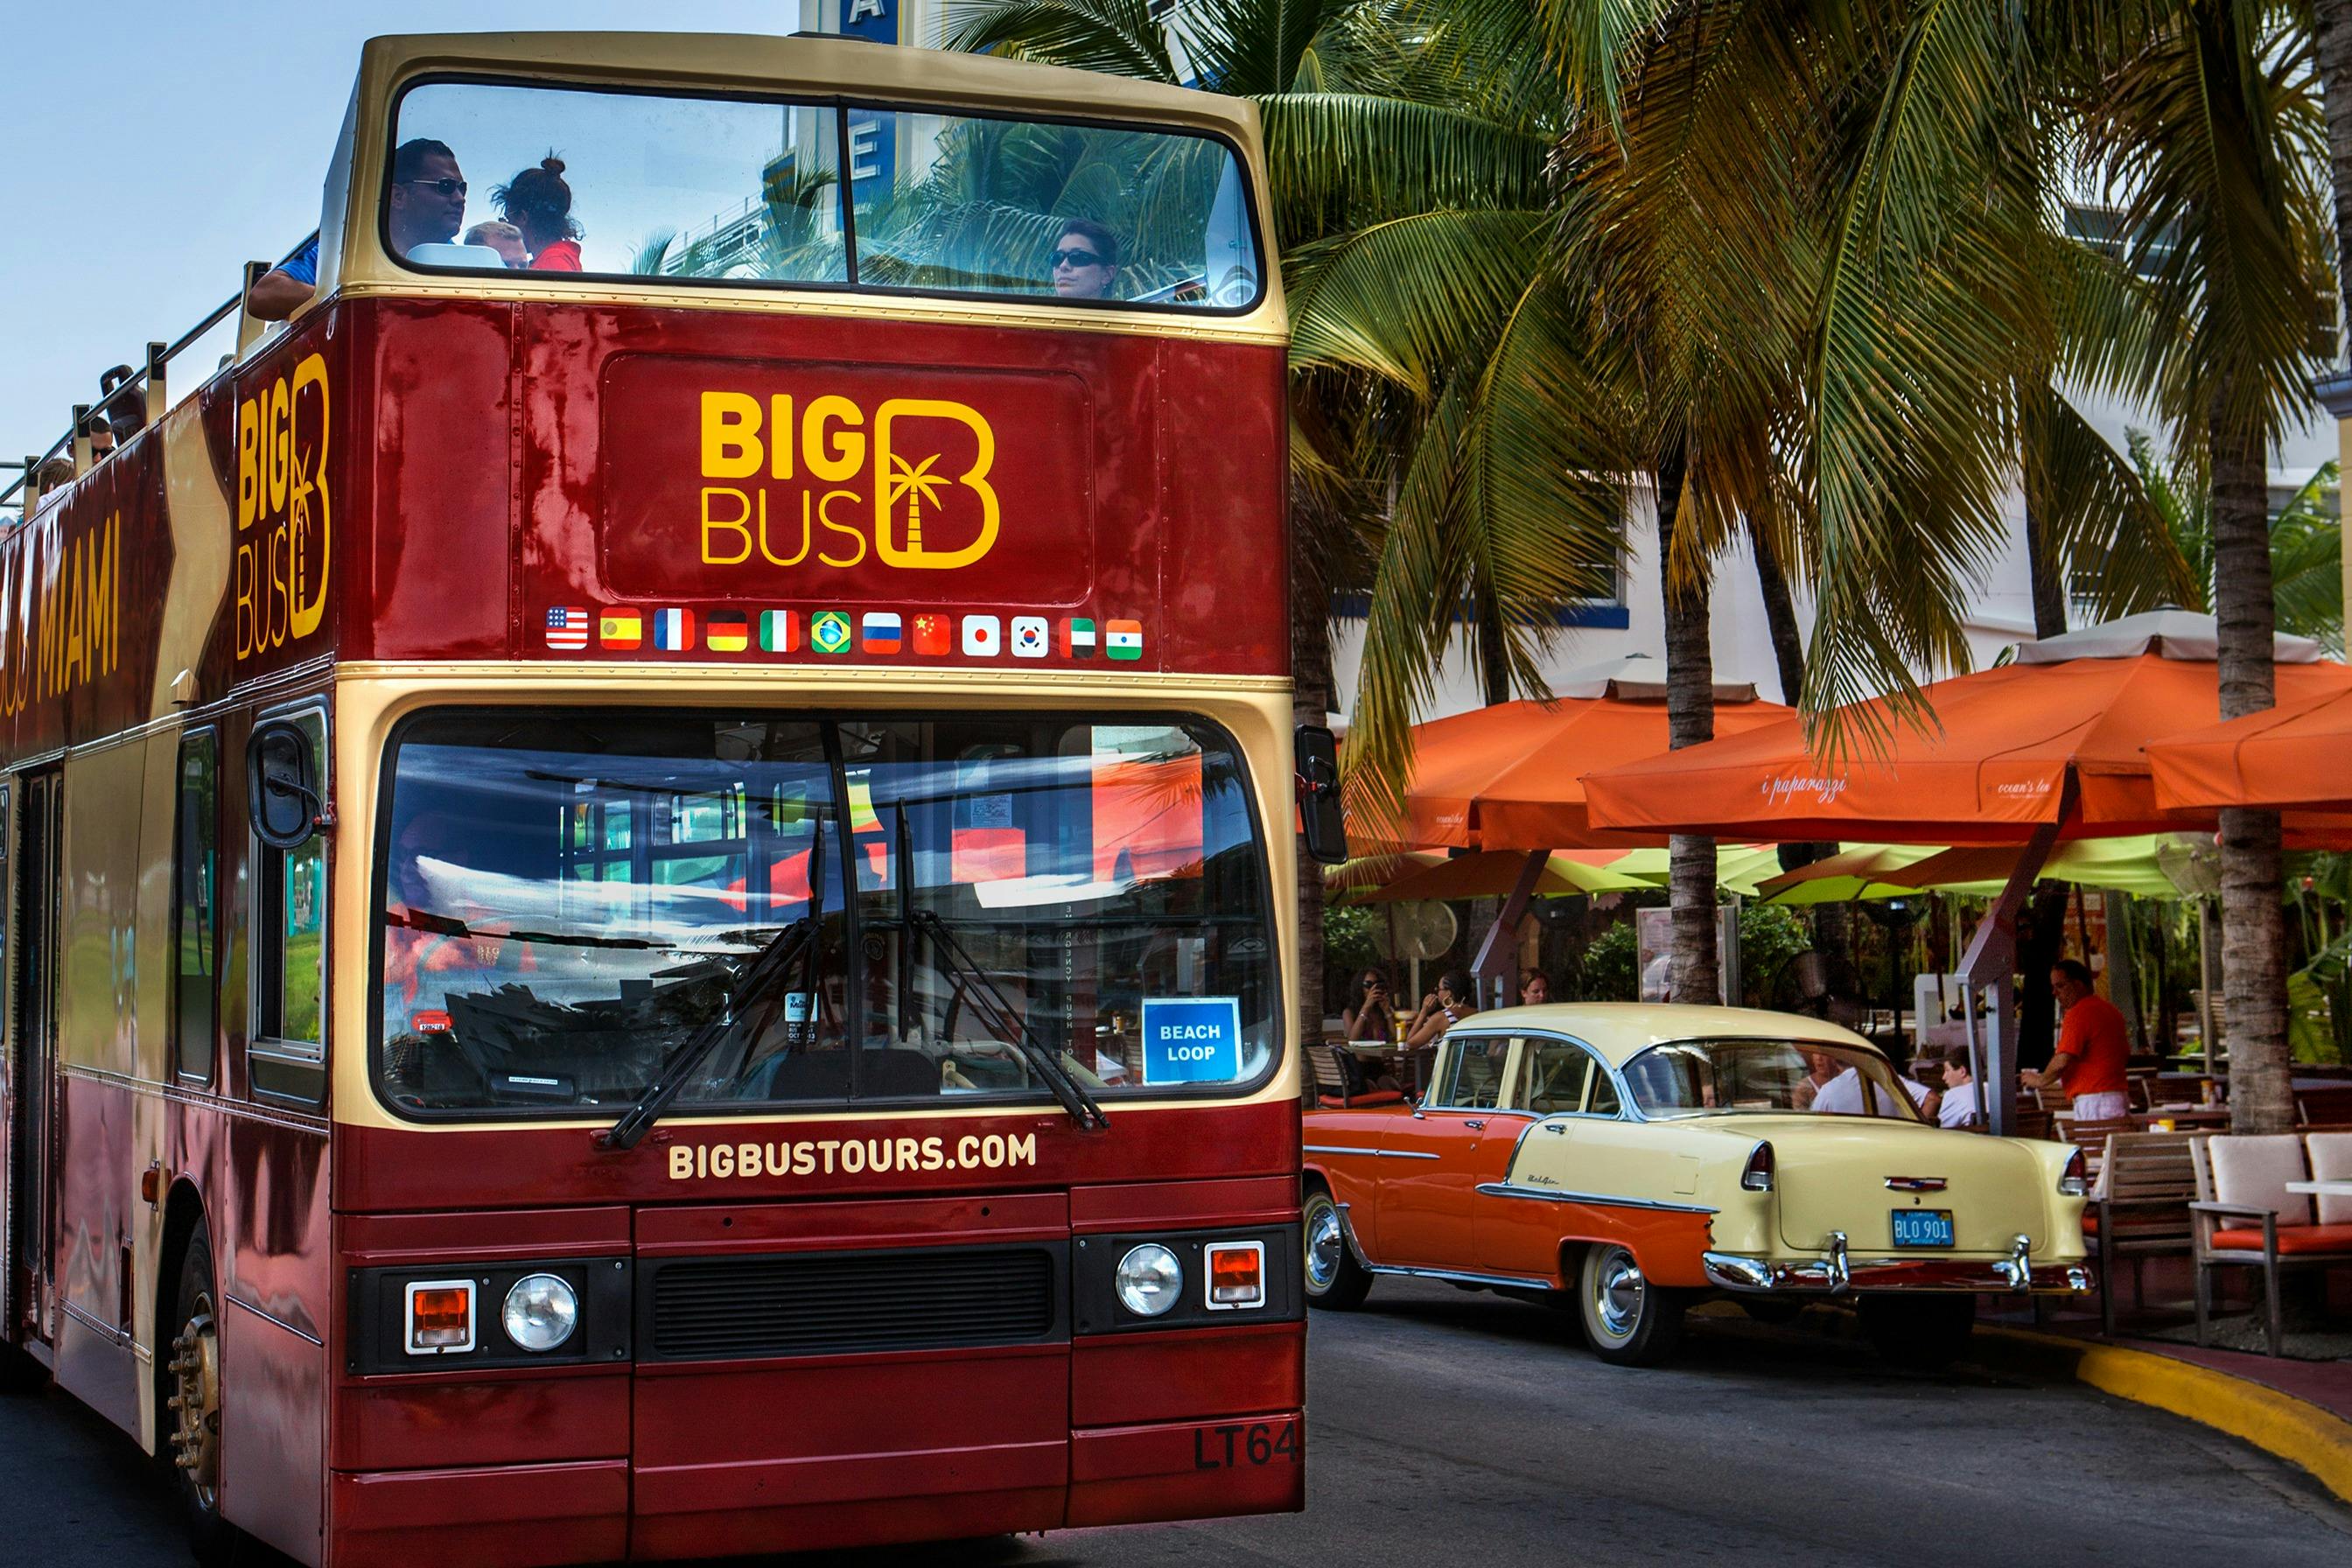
[{"x": 32, "y": 1057}]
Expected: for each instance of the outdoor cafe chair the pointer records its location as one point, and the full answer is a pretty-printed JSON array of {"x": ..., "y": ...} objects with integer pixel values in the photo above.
[
  {"x": 2244, "y": 1217},
  {"x": 2141, "y": 1211}
]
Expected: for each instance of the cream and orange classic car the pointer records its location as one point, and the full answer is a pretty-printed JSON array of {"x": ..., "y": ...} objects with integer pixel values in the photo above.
[{"x": 1623, "y": 1162}]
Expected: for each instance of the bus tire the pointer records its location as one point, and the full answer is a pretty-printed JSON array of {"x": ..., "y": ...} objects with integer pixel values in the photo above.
[
  {"x": 19, "y": 1372},
  {"x": 1335, "y": 1280},
  {"x": 1628, "y": 1320},
  {"x": 191, "y": 1390}
]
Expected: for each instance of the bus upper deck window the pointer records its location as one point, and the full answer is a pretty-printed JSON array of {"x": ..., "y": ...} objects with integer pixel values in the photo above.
[{"x": 486, "y": 176}]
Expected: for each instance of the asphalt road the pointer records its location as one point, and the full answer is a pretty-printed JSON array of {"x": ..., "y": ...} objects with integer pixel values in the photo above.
[{"x": 1451, "y": 1428}]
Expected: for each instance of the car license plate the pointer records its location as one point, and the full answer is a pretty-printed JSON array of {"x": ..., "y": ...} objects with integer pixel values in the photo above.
[{"x": 1923, "y": 1227}]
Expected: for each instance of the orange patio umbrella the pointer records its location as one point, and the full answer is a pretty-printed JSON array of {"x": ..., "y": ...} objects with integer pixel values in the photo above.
[
  {"x": 2006, "y": 744},
  {"x": 2294, "y": 754},
  {"x": 1509, "y": 776}
]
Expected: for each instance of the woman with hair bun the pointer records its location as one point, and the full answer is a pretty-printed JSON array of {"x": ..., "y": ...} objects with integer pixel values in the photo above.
[{"x": 539, "y": 203}]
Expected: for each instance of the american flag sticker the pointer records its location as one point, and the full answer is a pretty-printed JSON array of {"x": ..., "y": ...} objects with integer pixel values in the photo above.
[
  {"x": 620, "y": 629},
  {"x": 879, "y": 631},
  {"x": 1123, "y": 639},
  {"x": 780, "y": 631},
  {"x": 567, "y": 628},
  {"x": 673, "y": 630}
]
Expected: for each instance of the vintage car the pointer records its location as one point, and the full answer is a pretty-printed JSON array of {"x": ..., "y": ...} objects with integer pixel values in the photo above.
[{"x": 1625, "y": 1161}]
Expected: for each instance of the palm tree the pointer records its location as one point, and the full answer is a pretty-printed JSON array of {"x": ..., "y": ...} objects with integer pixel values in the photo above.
[
  {"x": 2306, "y": 542},
  {"x": 2209, "y": 123}
]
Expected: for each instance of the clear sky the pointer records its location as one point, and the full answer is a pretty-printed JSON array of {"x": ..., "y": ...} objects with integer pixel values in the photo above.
[{"x": 148, "y": 150}]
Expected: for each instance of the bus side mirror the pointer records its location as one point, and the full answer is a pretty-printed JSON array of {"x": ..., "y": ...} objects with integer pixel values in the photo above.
[
  {"x": 1319, "y": 795},
  {"x": 281, "y": 785}
]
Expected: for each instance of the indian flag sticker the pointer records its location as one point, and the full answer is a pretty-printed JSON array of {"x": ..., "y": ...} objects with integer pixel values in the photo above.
[
  {"x": 1123, "y": 639},
  {"x": 780, "y": 631},
  {"x": 673, "y": 630},
  {"x": 1078, "y": 638},
  {"x": 727, "y": 631}
]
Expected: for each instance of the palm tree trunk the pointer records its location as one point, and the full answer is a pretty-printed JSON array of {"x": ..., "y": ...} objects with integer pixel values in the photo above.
[
  {"x": 2334, "y": 62},
  {"x": 1833, "y": 923},
  {"x": 1690, "y": 719},
  {"x": 1312, "y": 693},
  {"x": 2253, "y": 923},
  {"x": 1494, "y": 656},
  {"x": 2042, "y": 570}
]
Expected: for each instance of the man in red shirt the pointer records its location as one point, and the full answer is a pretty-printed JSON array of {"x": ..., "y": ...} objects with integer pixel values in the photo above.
[{"x": 2092, "y": 1047}]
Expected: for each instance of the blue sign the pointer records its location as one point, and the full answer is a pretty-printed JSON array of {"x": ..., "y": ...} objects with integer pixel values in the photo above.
[
  {"x": 873, "y": 136},
  {"x": 1191, "y": 1039}
]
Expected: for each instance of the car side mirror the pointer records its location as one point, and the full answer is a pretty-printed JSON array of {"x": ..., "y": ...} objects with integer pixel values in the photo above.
[
  {"x": 281, "y": 785},
  {"x": 1319, "y": 795}
]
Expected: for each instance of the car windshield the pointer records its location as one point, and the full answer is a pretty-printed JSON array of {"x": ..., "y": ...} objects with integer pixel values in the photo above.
[
  {"x": 487, "y": 176},
  {"x": 1709, "y": 1078},
  {"x": 569, "y": 897}
]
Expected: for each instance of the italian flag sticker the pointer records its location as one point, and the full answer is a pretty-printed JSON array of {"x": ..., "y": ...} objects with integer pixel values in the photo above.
[
  {"x": 780, "y": 631},
  {"x": 1123, "y": 639}
]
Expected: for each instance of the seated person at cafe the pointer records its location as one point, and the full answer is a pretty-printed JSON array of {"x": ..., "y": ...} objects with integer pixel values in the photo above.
[
  {"x": 1842, "y": 1095},
  {"x": 1963, "y": 1102},
  {"x": 2093, "y": 1049},
  {"x": 1453, "y": 1000},
  {"x": 1368, "y": 1017}
]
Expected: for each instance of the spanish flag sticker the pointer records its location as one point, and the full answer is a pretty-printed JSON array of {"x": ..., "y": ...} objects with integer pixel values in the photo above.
[{"x": 620, "y": 629}]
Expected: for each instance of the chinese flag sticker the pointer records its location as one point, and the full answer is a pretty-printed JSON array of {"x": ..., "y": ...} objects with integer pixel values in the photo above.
[{"x": 933, "y": 633}]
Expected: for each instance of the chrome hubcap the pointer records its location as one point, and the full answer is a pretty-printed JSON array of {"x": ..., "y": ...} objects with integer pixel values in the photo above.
[
  {"x": 194, "y": 1402},
  {"x": 1323, "y": 1247},
  {"x": 1617, "y": 1290}
]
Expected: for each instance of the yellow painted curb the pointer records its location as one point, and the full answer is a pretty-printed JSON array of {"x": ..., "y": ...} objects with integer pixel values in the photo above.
[{"x": 2292, "y": 1429}]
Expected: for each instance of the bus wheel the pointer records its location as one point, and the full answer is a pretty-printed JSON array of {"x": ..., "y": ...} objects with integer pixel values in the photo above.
[
  {"x": 19, "y": 1372},
  {"x": 193, "y": 1406},
  {"x": 1334, "y": 1278},
  {"x": 1627, "y": 1320}
]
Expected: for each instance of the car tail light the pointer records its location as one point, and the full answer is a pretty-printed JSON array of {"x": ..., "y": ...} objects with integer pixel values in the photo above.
[
  {"x": 2075, "y": 1180},
  {"x": 440, "y": 1317},
  {"x": 1236, "y": 1271},
  {"x": 431, "y": 1021},
  {"x": 1758, "y": 1176}
]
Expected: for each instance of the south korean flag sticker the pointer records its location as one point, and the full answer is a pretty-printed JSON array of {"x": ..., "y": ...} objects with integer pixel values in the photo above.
[{"x": 1030, "y": 637}]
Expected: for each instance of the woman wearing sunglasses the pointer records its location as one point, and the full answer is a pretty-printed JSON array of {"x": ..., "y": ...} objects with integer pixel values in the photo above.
[{"x": 1085, "y": 261}]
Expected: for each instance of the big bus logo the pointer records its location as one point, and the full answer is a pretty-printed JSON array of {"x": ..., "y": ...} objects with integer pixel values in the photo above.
[
  {"x": 282, "y": 511},
  {"x": 910, "y": 484}
]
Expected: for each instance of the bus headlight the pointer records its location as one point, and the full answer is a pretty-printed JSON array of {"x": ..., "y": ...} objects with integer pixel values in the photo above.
[
  {"x": 540, "y": 1311},
  {"x": 1150, "y": 1279}
]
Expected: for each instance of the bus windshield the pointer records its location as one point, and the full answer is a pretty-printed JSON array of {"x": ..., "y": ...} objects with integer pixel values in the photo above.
[
  {"x": 1704, "y": 1077},
  {"x": 486, "y": 176},
  {"x": 568, "y": 897}
]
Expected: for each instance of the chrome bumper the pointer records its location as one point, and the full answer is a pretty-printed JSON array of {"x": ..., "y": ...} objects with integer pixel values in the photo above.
[{"x": 1839, "y": 1273}]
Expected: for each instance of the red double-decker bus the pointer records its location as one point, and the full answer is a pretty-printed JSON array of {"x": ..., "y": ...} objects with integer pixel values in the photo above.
[{"x": 643, "y": 849}]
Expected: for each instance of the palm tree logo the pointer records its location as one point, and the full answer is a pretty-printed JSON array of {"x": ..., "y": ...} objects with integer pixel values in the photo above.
[{"x": 920, "y": 487}]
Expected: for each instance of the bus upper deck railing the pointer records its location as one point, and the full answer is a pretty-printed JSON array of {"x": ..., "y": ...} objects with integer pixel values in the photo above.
[{"x": 147, "y": 386}]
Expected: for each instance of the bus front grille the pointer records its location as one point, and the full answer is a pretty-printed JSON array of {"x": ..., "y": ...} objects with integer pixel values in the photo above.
[{"x": 835, "y": 1302}]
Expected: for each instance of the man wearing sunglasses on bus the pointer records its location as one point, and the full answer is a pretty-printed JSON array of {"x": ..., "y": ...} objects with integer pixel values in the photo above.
[
  {"x": 427, "y": 205},
  {"x": 1084, "y": 262}
]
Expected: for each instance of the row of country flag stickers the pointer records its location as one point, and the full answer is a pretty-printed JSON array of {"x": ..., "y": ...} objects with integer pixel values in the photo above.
[{"x": 838, "y": 631}]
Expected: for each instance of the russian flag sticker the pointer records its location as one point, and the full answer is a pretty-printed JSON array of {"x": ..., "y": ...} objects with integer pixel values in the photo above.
[
  {"x": 879, "y": 631},
  {"x": 674, "y": 630}
]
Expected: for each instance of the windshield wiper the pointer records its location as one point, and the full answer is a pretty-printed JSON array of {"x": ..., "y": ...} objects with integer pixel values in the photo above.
[
  {"x": 997, "y": 1015},
  {"x": 775, "y": 961}
]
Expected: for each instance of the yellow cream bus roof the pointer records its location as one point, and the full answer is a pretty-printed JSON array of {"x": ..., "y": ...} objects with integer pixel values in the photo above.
[{"x": 352, "y": 261}]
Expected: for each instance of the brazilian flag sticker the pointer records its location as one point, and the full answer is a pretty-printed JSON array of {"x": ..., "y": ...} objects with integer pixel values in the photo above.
[{"x": 829, "y": 631}]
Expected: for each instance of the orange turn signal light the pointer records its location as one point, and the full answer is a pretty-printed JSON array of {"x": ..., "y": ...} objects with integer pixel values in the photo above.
[
  {"x": 1236, "y": 1275},
  {"x": 431, "y": 1021},
  {"x": 440, "y": 1317}
]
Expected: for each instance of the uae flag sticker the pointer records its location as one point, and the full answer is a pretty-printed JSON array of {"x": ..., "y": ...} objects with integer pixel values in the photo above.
[
  {"x": 780, "y": 631},
  {"x": 1123, "y": 639},
  {"x": 673, "y": 630},
  {"x": 1078, "y": 638},
  {"x": 620, "y": 629},
  {"x": 728, "y": 631}
]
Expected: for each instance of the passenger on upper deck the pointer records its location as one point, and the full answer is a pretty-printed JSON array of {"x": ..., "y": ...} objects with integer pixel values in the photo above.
[
  {"x": 502, "y": 237},
  {"x": 279, "y": 292},
  {"x": 539, "y": 203},
  {"x": 428, "y": 205},
  {"x": 1084, "y": 262}
]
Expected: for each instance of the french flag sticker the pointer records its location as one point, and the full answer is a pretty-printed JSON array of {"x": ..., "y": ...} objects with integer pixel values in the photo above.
[{"x": 674, "y": 630}]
